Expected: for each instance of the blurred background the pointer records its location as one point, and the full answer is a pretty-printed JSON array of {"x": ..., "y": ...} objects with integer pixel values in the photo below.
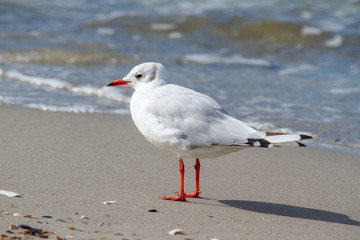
[{"x": 275, "y": 64}]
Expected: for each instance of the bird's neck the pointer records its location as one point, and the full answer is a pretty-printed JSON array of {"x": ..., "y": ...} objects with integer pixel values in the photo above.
[{"x": 149, "y": 85}]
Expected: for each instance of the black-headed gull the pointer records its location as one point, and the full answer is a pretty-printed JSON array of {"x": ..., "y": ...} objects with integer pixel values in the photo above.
[{"x": 187, "y": 123}]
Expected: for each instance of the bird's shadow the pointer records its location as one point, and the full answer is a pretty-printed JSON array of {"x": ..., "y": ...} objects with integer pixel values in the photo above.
[{"x": 291, "y": 211}]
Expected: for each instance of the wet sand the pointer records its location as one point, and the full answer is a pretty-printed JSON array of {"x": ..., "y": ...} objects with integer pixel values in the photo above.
[{"x": 65, "y": 165}]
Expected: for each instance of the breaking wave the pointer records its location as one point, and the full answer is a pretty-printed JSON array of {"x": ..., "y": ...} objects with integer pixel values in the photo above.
[
  {"x": 202, "y": 58},
  {"x": 57, "y": 84}
]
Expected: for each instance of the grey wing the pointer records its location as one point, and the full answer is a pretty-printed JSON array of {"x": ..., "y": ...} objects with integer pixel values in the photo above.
[{"x": 199, "y": 120}]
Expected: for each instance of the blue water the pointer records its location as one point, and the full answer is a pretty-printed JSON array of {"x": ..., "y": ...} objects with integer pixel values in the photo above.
[{"x": 278, "y": 65}]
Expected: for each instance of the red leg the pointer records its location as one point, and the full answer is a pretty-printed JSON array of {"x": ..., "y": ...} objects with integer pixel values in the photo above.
[
  {"x": 197, "y": 180},
  {"x": 181, "y": 194}
]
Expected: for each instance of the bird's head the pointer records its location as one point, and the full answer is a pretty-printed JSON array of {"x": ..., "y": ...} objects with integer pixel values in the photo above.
[{"x": 146, "y": 74}]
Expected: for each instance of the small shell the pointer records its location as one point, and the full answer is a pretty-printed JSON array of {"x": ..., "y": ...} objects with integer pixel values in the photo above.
[
  {"x": 59, "y": 238},
  {"x": 9, "y": 194},
  {"x": 109, "y": 202},
  {"x": 71, "y": 228},
  {"x": 84, "y": 218},
  {"x": 176, "y": 231},
  {"x": 13, "y": 227},
  {"x": 17, "y": 215}
]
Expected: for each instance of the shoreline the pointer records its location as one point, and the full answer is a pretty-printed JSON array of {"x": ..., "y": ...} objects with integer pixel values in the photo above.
[
  {"x": 65, "y": 165},
  {"x": 341, "y": 148}
]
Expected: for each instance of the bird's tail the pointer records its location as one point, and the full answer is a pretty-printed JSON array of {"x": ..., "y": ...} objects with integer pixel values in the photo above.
[{"x": 286, "y": 139}]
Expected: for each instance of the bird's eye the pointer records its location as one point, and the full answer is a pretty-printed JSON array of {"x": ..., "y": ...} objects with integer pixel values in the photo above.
[{"x": 139, "y": 75}]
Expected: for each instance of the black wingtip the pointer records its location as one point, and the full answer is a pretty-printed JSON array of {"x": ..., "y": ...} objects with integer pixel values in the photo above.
[
  {"x": 304, "y": 137},
  {"x": 259, "y": 142}
]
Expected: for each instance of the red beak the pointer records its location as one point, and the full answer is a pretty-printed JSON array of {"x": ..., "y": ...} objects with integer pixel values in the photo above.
[{"x": 118, "y": 82}]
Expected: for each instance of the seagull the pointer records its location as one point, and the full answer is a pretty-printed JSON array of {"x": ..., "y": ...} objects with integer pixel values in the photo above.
[{"x": 188, "y": 123}]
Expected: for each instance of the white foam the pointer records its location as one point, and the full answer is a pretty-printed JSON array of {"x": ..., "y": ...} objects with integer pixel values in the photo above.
[
  {"x": 113, "y": 15},
  {"x": 332, "y": 26},
  {"x": 103, "y": 92},
  {"x": 199, "y": 7},
  {"x": 344, "y": 90},
  {"x": 175, "y": 35},
  {"x": 163, "y": 26},
  {"x": 293, "y": 70},
  {"x": 74, "y": 109},
  {"x": 306, "y": 15},
  {"x": 330, "y": 109},
  {"x": 309, "y": 30},
  {"x": 50, "y": 82},
  {"x": 202, "y": 58},
  {"x": 234, "y": 59},
  {"x": 336, "y": 41},
  {"x": 105, "y": 31},
  {"x": 288, "y": 71},
  {"x": 9, "y": 100},
  {"x": 262, "y": 126}
]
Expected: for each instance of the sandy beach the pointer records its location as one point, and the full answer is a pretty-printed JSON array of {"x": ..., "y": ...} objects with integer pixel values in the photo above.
[{"x": 66, "y": 165}]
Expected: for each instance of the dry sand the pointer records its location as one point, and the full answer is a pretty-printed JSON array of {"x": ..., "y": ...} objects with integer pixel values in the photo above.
[{"x": 65, "y": 165}]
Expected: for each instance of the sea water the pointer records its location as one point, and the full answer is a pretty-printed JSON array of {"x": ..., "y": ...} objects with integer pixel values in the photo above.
[{"x": 277, "y": 65}]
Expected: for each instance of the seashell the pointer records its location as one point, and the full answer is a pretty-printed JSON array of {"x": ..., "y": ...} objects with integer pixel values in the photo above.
[
  {"x": 9, "y": 194},
  {"x": 176, "y": 231}
]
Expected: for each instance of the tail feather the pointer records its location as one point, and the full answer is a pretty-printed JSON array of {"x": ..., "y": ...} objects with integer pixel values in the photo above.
[
  {"x": 289, "y": 144},
  {"x": 285, "y": 137},
  {"x": 279, "y": 139}
]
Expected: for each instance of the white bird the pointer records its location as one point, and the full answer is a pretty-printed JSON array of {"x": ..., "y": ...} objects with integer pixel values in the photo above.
[{"x": 187, "y": 123}]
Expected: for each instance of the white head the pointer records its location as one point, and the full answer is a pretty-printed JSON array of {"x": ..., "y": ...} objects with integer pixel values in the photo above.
[{"x": 148, "y": 74}]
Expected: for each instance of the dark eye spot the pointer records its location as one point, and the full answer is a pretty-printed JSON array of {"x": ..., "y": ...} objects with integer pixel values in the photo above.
[{"x": 139, "y": 75}]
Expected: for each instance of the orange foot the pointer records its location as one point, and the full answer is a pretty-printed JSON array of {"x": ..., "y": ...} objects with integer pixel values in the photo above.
[
  {"x": 195, "y": 194},
  {"x": 179, "y": 198}
]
